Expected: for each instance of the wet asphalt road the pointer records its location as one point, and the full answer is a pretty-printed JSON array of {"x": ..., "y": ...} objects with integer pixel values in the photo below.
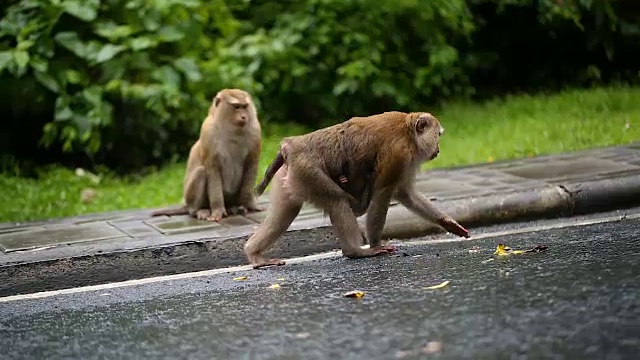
[{"x": 581, "y": 299}]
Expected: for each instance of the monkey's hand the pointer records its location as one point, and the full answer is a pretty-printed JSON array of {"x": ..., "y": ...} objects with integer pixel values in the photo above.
[{"x": 453, "y": 227}]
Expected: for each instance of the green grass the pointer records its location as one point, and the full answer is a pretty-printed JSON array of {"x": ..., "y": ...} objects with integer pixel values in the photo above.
[{"x": 514, "y": 127}]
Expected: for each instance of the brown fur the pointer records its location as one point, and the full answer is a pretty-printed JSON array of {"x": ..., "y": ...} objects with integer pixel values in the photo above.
[
  {"x": 223, "y": 163},
  {"x": 348, "y": 169}
]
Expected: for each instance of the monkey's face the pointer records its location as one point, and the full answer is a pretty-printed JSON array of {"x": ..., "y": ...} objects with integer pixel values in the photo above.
[
  {"x": 428, "y": 131},
  {"x": 235, "y": 110},
  {"x": 240, "y": 113}
]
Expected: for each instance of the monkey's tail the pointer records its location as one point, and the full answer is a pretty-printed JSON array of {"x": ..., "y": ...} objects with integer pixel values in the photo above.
[
  {"x": 183, "y": 210},
  {"x": 275, "y": 165}
]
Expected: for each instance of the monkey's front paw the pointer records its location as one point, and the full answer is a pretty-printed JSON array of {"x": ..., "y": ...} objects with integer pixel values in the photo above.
[
  {"x": 217, "y": 215},
  {"x": 453, "y": 227}
]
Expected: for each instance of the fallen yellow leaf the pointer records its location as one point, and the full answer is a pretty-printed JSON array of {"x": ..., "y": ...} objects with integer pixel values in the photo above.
[
  {"x": 280, "y": 279},
  {"x": 441, "y": 285},
  {"x": 274, "y": 286},
  {"x": 354, "y": 294},
  {"x": 240, "y": 278},
  {"x": 502, "y": 250}
]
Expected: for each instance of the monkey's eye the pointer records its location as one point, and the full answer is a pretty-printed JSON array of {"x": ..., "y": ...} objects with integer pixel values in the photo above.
[{"x": 236, "y": 106}]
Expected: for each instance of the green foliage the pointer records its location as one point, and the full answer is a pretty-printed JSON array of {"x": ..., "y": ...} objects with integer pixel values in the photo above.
[
  {"x": 337, "y": 58},
  {"x": 110, "y": 68},
  {"x": 332, "y": 59},
  {"x": 127, "y": 83}
]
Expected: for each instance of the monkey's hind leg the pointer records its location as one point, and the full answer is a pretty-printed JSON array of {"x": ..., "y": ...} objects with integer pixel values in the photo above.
[
  {"x": 195, "y": 194},
  {"x": 348, "y": 232},
  {"x": 283, "y": 210}
]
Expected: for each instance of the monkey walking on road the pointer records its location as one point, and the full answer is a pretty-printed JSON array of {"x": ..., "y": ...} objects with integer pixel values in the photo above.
[
  {"x": 374, "y": 159},
  {"x": 223, "y": 163}
]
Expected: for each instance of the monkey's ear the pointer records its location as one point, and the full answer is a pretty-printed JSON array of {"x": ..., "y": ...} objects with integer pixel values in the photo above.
[
  {"x": 422, "y": 123},
  {"x": 216, "y": 101}
]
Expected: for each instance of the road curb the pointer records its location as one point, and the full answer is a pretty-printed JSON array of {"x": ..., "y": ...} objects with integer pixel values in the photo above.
[
  {"x": 545, "y": 202},
  {"x": 550, "y": 201},
  {"x": 530, "y": 204},
  {"x": 604, "y": 194}
]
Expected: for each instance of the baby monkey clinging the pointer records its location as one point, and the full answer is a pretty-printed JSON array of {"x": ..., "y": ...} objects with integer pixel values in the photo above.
[{"x": 349, "y": 169}]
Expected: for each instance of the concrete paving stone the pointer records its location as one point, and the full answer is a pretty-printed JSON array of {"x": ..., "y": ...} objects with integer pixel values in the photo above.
[
  {"x": 257, "y": 216},
  {"x": 236, "y": 220},
  {"x": 135, "y": 228},
  {"x": 583, "y": 168},
  {"x": 58, "y": 235},
  {"x": 21, "y": 228},
  {"x": 102, "y": 219},
  {"x": 180, "y": 224},
  {"x": 435, "y": 186},
  {"x": 305, "y": 212}
]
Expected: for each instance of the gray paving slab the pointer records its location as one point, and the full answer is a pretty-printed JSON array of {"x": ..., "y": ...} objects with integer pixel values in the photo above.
[
  {"x": 26, "y": 238},
  {"x": 547, "y": 186}
]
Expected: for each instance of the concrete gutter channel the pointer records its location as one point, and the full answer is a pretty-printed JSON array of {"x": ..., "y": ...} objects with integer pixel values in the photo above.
[{"x": 549, "y": 201}]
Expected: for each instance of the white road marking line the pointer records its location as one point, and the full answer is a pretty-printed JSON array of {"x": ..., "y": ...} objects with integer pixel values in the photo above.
[
  {"x": 115, "y": 285},
  {"x": 297, "y": 260}
]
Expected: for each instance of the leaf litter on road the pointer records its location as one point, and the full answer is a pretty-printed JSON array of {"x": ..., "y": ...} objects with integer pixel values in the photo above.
[
  {"x": 503, "y": 250},
  {"x": 439, "y": 286},
  {"x": 240, "y": 278},
  {"x": 354, "y": 294}
]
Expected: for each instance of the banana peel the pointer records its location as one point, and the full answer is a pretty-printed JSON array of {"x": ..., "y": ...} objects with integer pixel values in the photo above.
[{"x": 503, "y": 250}]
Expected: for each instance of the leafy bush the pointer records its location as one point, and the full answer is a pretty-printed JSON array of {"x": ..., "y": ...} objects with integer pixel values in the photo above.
[
  {"x": 331, "y": 59},
  {"x": 116, "y": 80},
  {"x": 127, "y": 82},
  {"x": 319, "y": 59}
]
